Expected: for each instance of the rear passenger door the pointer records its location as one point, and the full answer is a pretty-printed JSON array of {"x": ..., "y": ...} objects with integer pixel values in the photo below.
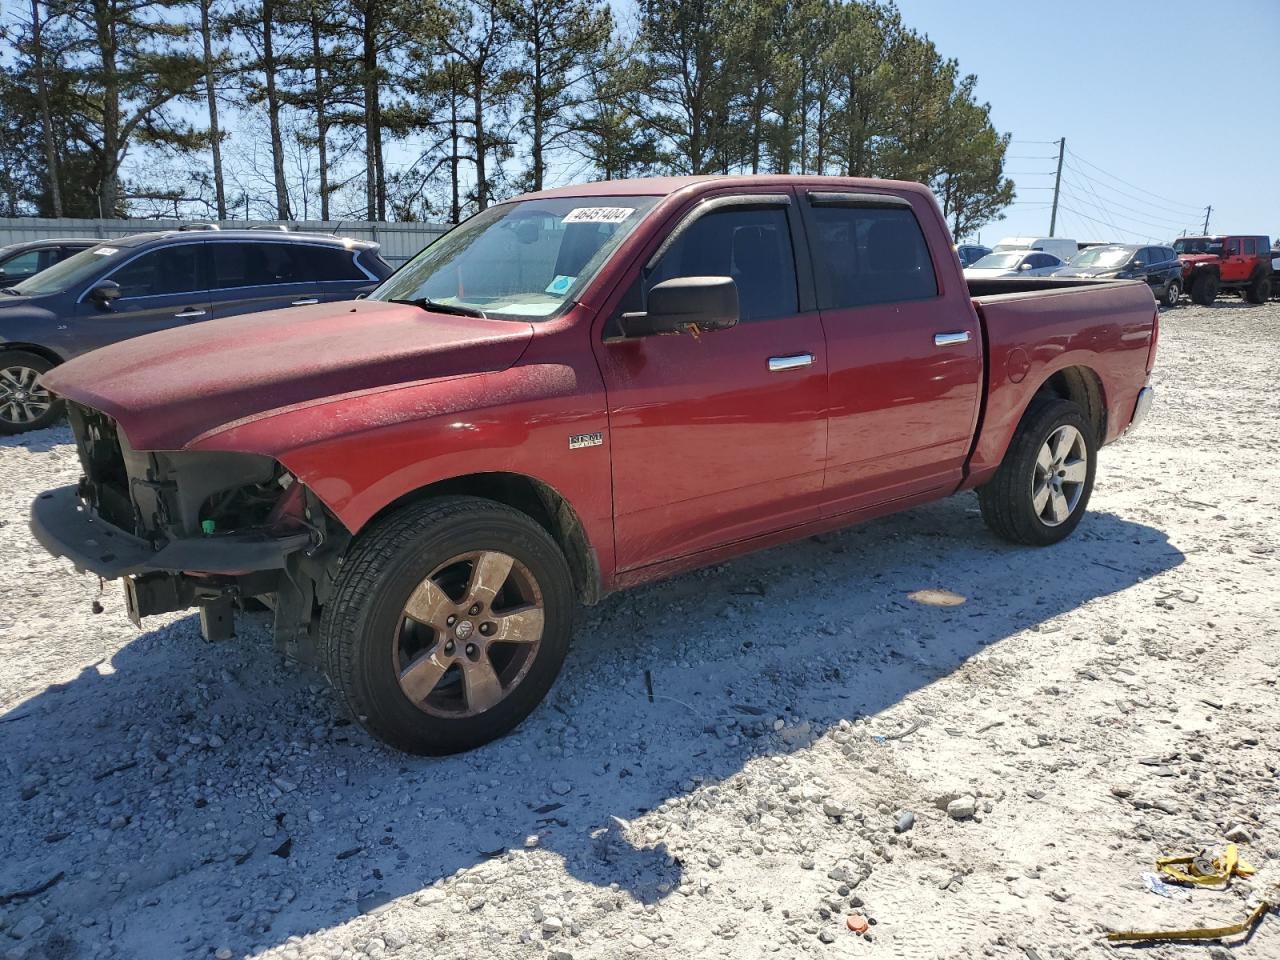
[
  {"x": 904, "y": 359},
  {"x": 254, "y": 275},
  {"x": 160, "y": 288}
]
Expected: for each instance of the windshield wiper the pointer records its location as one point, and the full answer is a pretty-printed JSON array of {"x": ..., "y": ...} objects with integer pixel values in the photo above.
[
  {"x": 426, "y": 303},
  {"x": 9, "y": 290}
]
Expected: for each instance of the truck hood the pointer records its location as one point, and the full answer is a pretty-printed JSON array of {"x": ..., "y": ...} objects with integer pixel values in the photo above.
[{"x": 168, "y": 388}]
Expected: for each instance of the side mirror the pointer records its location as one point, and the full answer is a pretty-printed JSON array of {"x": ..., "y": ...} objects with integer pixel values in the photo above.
[
  {"x": 1137, "y": 265},
  {"x": 705, "y": 304},
  {"x": 105, "y": 292},
  {"x": 1024, "y": 266}
]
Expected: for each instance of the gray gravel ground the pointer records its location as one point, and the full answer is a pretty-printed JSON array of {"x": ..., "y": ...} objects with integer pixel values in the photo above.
[{"x": 1089, "y": 707}]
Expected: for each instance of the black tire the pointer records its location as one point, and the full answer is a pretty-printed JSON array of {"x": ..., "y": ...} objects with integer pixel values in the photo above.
[
  {"x": 1008, "y": 500},
  {"x": 363, "y": 623},
  {"x": 1204, "y": 289},
  {"x": 18, "y": 412},
  {"x": 1259, "y": 290},
  {"x": 1171, "y": 294}
]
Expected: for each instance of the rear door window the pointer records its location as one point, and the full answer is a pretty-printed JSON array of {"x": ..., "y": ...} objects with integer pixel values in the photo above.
[
  {"x": 168, "y": 270},
  {"x": 753, "y": 246},
  {"x": 1250, "y": 247},
  {"x": 869, "y": 255},
  {"x": 253, "y": 264}
]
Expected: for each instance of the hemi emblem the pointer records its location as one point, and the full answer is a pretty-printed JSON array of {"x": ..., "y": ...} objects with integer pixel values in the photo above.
[{"x": 586, "y": 440}]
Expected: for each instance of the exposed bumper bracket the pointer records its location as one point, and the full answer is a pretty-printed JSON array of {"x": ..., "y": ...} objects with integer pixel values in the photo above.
[{"x": 66, "y": 528}]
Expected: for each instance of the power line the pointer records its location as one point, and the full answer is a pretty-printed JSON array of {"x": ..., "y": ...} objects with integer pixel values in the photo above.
[
  {"x": 1137, "y": 199},
  {"x": 1168, "y": 221},
  {"x": 1170, "y": 200}
]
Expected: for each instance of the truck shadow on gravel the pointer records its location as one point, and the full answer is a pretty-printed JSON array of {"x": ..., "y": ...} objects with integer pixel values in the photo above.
[{"x": 186, "y": 797}]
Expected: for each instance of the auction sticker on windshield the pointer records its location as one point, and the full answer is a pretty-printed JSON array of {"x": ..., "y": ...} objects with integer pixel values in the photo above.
[
  {"x": 106, "y": 251},
  {"x": 597, "y": 215}
]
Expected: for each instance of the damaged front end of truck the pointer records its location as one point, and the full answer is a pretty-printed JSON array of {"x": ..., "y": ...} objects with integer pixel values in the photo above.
[{"x": 214, "y": 530}]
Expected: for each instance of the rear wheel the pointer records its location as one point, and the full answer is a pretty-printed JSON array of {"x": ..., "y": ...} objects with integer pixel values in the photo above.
[
  {"x": 1259, "y": 291},
  {"x": 448, "y": 624},
  {"x": 1171, "y": 294},
  {"x": 1042, "y": 488},
  {"x": 24, "y": 403},
  {"x": 1204, "y": 289}
]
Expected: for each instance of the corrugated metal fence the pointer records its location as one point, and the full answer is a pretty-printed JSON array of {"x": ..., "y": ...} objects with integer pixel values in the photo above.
[{"x": 399, "y": 241}]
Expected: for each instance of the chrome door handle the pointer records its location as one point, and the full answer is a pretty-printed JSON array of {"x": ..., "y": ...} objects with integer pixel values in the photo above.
[
  {"x": 304, "y": 302},
  {"x": 950, "y": 339},
  {"x": 793, "y": 362},
  {"x": 190, "y": 313}
]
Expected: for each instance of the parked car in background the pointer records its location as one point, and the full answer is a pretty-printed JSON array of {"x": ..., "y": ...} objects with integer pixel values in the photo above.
[
  {"x": 971, "y": 253},
  {"x": 1159, "y": 266},
  {"x": 1239, "y": 262},
  {"x": 1060, "y": 247},
  {"x": 153, "y": 281},
  {"x": 21, "y": 261},
  {"x": 571, "y": 393},
  {"x": 1014, "y": 263}
]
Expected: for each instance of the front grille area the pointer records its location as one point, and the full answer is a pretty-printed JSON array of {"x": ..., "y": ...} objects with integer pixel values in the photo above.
[{"x": 105, "y": 484}]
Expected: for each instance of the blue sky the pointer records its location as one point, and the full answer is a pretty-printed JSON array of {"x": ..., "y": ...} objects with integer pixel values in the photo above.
[{"x": 1178, "y": 99}]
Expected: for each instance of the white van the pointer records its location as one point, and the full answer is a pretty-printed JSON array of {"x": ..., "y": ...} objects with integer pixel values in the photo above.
[{"x": 1060, "y": 248}]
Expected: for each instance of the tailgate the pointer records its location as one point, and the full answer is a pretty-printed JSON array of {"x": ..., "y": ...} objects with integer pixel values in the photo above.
[{"x": 1105, "y": 329}]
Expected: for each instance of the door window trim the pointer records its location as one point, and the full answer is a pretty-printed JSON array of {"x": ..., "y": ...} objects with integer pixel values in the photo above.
[
  {"x": 715, "y": 205},
  {"x": 190, "y": 243}
]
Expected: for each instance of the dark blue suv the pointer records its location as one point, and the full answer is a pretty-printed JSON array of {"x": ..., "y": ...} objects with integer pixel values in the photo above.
[{"x": 124, "y": 288}]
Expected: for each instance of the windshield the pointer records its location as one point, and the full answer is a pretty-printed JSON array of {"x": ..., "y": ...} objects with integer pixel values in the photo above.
[
  {"x": 71, "y": 272},
  {"x": 1102, "y": 257},
  {"x": 1198, "y": 245},
  {"x": 525, "y": 260},
  {"x": 999, "y": 261}
]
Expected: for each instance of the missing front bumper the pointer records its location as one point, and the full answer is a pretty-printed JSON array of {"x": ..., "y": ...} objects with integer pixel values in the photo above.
[{"x": 67, "y": 528}]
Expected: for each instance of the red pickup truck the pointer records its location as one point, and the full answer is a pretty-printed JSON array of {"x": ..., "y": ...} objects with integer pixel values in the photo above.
[{"x": 574, "y": 392}]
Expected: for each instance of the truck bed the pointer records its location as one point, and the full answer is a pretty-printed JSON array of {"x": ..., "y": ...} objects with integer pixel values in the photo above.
[{"x": 1099, "y": 330}]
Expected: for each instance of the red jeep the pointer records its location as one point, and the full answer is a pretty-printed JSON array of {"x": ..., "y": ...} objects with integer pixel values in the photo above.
[
  {"x": 1211, "y": 264},
  {"x": 574, "y": 392}
]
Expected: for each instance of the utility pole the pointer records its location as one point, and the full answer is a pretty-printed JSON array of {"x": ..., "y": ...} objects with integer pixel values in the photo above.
[
  {"x": 1207, "y": 210},
  {"x": 1057, "y": 185}
]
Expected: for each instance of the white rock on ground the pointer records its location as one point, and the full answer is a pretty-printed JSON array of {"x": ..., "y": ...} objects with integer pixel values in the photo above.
[{"x": 1106, "y": 700}]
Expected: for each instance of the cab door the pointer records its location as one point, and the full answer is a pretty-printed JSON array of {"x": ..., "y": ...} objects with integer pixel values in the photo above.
[
  {"x": 160, "y": 288},
  {"x": 720, "y": 437},
  {"x": 1234, "y": 263},
  {"x": 904, "y": 354}
]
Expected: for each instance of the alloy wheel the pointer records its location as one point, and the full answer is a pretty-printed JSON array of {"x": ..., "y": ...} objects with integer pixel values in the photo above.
[
  {"x": 468, "y": 634},
  {"x": 1062, "y": 467},
  {"x": 22, "y": 399}
]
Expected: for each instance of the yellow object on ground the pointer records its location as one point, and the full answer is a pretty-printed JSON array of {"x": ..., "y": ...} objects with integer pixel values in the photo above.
[
  {"x": 1204, "y": 872},
  {"x": 1195, "y": 933}
]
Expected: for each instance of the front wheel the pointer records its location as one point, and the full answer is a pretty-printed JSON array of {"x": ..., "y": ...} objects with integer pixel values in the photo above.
[
  {"x": 1171, "y": 294},
  {"x": 448, "y": 624},
  {"x": 24, "y": 403},
  {"x": 1041, "y": 491},
  {"x": 1204, "y": 289}
]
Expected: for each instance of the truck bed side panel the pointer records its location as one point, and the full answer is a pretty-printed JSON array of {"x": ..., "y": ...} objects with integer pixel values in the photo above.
[{"x": 1103, "y": 328}]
